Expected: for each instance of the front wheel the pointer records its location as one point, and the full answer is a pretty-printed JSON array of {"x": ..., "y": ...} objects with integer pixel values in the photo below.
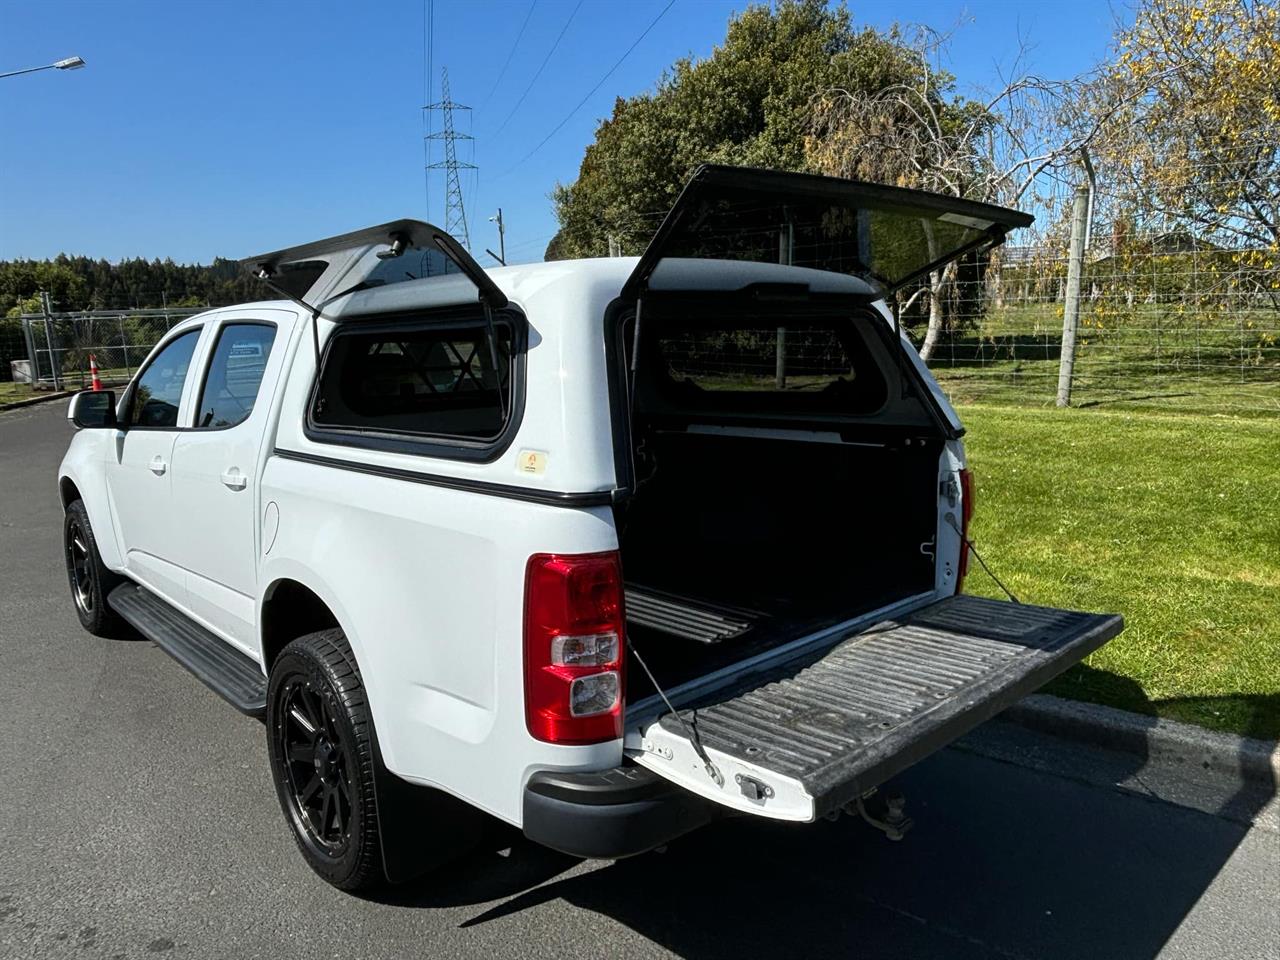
[
  {"x": 90, "y": 579},
  {"x": 323, "y": 759}
]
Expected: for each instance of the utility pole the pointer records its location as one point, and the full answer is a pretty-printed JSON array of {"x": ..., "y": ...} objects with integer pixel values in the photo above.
[
  {"x": 501, "y": 255},
  {"x": 615, "y": 248},
  {"x": 455, "y": 215},
  {"x": 1071, "y": 305}
]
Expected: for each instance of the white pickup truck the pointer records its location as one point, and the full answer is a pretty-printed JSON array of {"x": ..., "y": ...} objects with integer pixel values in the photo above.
[{"x": 602, "y": 548}]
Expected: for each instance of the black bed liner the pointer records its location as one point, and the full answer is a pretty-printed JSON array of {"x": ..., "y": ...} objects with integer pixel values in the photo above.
[
  {"x": 885, "y": 698},
  {"x": 683, "y": 617}
]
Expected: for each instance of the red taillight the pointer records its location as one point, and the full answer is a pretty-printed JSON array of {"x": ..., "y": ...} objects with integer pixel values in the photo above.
[
  {"x": 573, "y": 647},
  {"x": 966, "y": 514}
]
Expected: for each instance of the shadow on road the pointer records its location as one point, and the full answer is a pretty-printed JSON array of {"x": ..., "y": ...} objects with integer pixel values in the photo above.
[{"x": 1003, "y": 861}]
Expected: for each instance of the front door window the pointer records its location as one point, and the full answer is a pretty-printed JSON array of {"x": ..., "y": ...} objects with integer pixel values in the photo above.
[{"x": 158, "y": 391}]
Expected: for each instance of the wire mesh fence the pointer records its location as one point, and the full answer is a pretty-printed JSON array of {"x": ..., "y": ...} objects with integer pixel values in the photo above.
[
  {"x": 1164, "y": 318},
  {"x": 62, "y": 349}
]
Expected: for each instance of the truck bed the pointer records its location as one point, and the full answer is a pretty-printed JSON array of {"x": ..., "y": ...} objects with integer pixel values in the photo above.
[{"x": 682, "y": 638}]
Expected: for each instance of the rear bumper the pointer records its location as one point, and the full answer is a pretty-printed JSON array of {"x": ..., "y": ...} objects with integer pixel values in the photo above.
[{"x": 609, "y": 814}]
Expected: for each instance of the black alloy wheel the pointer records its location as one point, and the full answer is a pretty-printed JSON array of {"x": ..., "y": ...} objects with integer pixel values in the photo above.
[
  {"x": 79, "y": 566},
  {"x": 323, "y": 751},
  {"x": 316, "y": 766},
  {"x": 90, "y": 579}
]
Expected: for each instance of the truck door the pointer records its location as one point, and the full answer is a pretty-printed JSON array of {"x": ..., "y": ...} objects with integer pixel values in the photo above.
[
  {"x": 140, "y": 479},
  {"x": 215, "y": 469}
]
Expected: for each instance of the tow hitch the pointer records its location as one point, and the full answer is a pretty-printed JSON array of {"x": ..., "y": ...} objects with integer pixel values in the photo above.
[{"x": 884, "y": 811}]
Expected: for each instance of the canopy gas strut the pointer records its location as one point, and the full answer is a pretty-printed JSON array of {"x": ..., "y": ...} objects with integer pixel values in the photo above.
[
  {"x": 493, "y": 357},
  {"x": 265, "y": 277}
]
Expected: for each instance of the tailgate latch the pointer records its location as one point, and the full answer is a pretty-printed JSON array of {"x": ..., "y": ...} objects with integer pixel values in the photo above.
[{"x": 753, "y": 789}]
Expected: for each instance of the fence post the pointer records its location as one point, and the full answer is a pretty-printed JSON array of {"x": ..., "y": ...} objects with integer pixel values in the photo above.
[
  {"x": 47, "y": 310},
  {"x": 1071, "y": 305},
  {"x": 124, "y": 345},
  {"x": 786, "y": 255}
]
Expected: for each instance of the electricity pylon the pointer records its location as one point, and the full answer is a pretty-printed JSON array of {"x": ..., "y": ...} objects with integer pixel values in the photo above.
[{"x": 455, "y": 215}]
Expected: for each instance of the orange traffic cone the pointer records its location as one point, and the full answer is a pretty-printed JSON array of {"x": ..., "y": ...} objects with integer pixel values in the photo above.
[{"x": 93, "y": 372}]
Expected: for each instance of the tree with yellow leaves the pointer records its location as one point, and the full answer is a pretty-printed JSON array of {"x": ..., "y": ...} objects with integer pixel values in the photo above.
[{"x": 1193, "y": 95}]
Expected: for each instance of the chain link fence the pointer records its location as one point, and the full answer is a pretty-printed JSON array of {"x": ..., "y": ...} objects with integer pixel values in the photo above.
[
  {"x": 59, "y": 347},
  {"x": 1176, "y": 309},
  {"x": 1162, "y": 318}
]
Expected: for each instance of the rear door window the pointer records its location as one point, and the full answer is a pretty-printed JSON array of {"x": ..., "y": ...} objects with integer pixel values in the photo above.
[
  {"x": 235, "y": 374},
  {"x": 431, "y": 380}
]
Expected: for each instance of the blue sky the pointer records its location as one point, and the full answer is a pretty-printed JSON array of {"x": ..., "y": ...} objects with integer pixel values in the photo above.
[{"x": 221, "y": 127}]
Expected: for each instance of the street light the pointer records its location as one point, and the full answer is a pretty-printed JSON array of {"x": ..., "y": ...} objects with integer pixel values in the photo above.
[
  {"x": 70, "y": 63},
  {"x": 501, "y": 255}
]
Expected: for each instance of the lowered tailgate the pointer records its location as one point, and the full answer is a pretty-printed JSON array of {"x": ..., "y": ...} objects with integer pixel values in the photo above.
[{"x": 801, "y": 740}]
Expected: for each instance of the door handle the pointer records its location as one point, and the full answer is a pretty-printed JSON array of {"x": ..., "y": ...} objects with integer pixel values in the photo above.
[
  {"x": 158, "y": 466},
  {"x": 233, "y": 479}
]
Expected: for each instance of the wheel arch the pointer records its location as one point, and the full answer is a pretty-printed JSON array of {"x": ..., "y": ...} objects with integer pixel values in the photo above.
[
  {"x": 290, "y": 609},
  {"x": 300, "y": 591},
  {"x": 68, "y": 492},
  {"x": 81, "y": 477}
]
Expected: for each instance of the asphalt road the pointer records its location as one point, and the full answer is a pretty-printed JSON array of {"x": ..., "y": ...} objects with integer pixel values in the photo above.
[{"x": 137, "y": 818}]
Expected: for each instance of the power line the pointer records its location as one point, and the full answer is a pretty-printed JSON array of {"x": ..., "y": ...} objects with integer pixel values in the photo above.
[
  {"x": 545, "y": 61},
  {"x": 591, "y": 92},
  {"x": 511, "y": 53}
]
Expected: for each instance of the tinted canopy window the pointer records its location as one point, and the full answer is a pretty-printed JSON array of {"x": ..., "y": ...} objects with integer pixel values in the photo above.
[
  {"x": 887, "y": 234},
  {"x": 426, "y": 379},
  {"x": 882, "y": 245},
  {"x": 818, "y": 365},
  {"x": 158, "y": 392},
  {"x": 235, "y": 374},
  {"x": 414, "y": 264}
]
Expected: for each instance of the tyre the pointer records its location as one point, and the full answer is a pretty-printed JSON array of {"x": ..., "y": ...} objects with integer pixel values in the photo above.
[
  {"x": 323, "y": 752},
  {"x": 90, "y": 580}
]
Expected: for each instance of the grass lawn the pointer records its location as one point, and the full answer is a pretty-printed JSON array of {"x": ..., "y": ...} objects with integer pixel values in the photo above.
[
  {"x": 9, "y": 392},
  {"x": 1173, "y": 520},
  {"x": 113, "y": 379},
  {"x": 1154, "y": 357}
]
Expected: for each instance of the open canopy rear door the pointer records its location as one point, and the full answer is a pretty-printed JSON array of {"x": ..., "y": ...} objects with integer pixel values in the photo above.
[
  {"x": 323, "y": 270},
  {"x": 798, "y": 741},
  {"x": 887, "y": 234}
]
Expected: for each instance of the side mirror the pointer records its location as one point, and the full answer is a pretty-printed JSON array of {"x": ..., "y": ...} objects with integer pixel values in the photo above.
[{"x": 93, "y": 410}]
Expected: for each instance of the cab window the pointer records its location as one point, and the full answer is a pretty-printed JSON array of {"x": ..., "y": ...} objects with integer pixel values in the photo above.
[
  {"x": 235, "y": 374},
  {"x": 157, "y": 392}
]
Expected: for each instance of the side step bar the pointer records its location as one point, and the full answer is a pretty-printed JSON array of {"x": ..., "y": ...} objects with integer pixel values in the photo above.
[{"x": 219, "y": 666}]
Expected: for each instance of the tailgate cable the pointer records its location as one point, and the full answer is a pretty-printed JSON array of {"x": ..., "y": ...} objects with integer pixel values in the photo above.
[
  {"x": 690, "y": 731},
  {"x": 974, "y": 550}
]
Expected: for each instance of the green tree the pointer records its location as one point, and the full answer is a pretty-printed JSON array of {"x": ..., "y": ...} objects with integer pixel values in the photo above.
[{"x": 750, "y": 104}]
